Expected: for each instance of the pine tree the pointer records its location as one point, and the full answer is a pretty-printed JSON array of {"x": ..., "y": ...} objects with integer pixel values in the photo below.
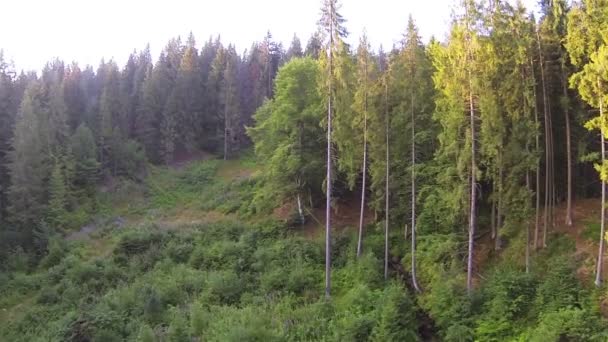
[
  {"x": 587, "y": 44},
  {"x": 29, "y": 160},
  {"x": 230, "y": 101},
  {"x": 215, "y": 106},
  {"x": 413, "y": 98},
  {"x": 314, "y": 46},
  {"x": 332, "y": 25},
  {"x": 295, "y": 49},
  {"x": 457, "y": 81},
  {"x": 8, "y": 108},
  {"x": 56, "y": 211},
  {"x": 365, "y": 77},
  {"x": 84, "y": 152}
]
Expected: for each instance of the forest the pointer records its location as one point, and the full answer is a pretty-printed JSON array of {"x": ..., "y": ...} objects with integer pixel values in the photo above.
[{"x": 449, "y": 190}]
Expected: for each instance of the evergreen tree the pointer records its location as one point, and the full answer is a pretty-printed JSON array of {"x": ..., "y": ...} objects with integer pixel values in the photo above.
[
  {"x": 587, "y": 44},
  {"x": 332, "y": 26},
  {"x": 314, "y": 46},
  {"x": 230, "y": 102},
  {"x": 29, "y": 160},
  {"x": 412, "y": 94},
  {"x": 84, "y": 151},
  {"x": 56, "y": 211},
  {"x": 458, "y": 83},
  {"x": 366, "y": 74},
  {"x": 8, "y": 108},
  {"x": 295, "y": 49}
]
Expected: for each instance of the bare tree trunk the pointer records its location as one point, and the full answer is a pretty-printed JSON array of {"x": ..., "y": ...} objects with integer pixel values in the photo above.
[
  {"x": 300, "y": 212},
  {"x": 386, "y": 190},
  {"x": 363, "y": 185},
  {"x": 497, "y": 242},
  {"x": 568, "y": 147},
  {"x": 329, "y": 180},
  {"x": 527, "y": 261},
  {"x": 537, "y": 145},
  {"x": 600, "y": 256},
  {"x": 226, "y": 124},
  {"x": 473, "y": 198},
  {"x": 493, "y": 220},
  {"x": 413, "y": 190},
  {"x": 472, "y": 216},
  {"x": 547, "y": 142}
]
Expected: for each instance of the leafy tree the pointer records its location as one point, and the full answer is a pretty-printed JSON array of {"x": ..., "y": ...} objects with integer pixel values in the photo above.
[{"x": 287, "y": 133}]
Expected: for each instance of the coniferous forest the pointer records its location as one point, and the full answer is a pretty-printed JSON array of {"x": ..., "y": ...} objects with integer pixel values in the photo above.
[{"x": 449, "y": 190}]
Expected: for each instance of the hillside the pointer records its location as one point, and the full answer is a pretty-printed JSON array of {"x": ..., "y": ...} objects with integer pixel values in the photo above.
[{"x": 182, "y": 255}]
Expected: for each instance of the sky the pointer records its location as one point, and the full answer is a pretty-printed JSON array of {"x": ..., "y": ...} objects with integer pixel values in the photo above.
[{"x": 33, "y": 32}]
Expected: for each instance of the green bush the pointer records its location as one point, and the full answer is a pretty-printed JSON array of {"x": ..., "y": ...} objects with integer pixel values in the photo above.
[{"x": 224, "y": 287}]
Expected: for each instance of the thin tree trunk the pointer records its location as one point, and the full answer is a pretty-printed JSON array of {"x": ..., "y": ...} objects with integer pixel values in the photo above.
[
  {"x": 493, "y": 220},
  {"x": 600, "y": 255},
  {"x": 497, "y": 242},
  {"x": 300, "y": 209},
  {"x": 473, "y": 198},
  {"x": 329, "y": 180},
  {"x": 527, "y": 261},
  {"x": 226, "y": 124},
  {"x": 386, "y": 189},
  {"x": 472, "y": 216},
  {"x": 363, "y": 185},
  {"x": 547, "y": 141},
  {"x": 537, "y": 145},
  {"x": 569, "y": 217},
  {"x": 413, "y": 184}
]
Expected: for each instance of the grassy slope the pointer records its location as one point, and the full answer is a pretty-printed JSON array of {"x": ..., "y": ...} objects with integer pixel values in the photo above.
[{"x": 177, "y": 242}]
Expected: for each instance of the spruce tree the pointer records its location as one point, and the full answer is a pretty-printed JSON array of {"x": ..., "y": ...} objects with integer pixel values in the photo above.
[
  {"x": 331, "y": 25},
  {"x": 587, "y": 44}
]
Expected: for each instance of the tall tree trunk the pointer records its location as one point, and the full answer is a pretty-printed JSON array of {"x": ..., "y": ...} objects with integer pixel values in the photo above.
[
  {"x": 568, "y": 146},
  {"x": 537, "y": 145},
  {"x": 413, "y": 190},
  {"x": 363, "y": 185},
  {"x": 493, "y": 220},
  {"x": 547, "y": 141},
  {"x": 329, "y": 180},
  {"x": 600, "y": 255},
  {"x": 527, "y": 260},
  {"x": 226, "y": 124},
  {"x": 472, "y": 216},
  {"x": 300, "y": 212},
  {"x": 497, "y": 242},
  {"x": 386, "y": 189},
  {"x": 473, "y": 189}
]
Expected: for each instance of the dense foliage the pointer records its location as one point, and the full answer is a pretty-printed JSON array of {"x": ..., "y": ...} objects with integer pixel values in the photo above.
[{"x": 180, "y": 199}]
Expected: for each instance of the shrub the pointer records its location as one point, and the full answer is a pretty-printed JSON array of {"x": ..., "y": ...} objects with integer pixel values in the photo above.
[{"x": 224, "y": 287}]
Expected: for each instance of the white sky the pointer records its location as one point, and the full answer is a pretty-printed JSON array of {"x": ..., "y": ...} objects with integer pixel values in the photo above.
[{"x": 34, "y": 31}]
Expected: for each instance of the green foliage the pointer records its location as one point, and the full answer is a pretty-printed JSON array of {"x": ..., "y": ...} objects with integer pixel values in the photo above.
[{"x": 287, "y": 135}]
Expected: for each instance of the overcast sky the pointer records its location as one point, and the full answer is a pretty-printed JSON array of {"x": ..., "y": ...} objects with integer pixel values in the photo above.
[{"x": 34, "y": 31}]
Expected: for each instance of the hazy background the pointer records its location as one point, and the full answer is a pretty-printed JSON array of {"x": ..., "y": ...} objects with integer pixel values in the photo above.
[{"x": 32, "y": 32}]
